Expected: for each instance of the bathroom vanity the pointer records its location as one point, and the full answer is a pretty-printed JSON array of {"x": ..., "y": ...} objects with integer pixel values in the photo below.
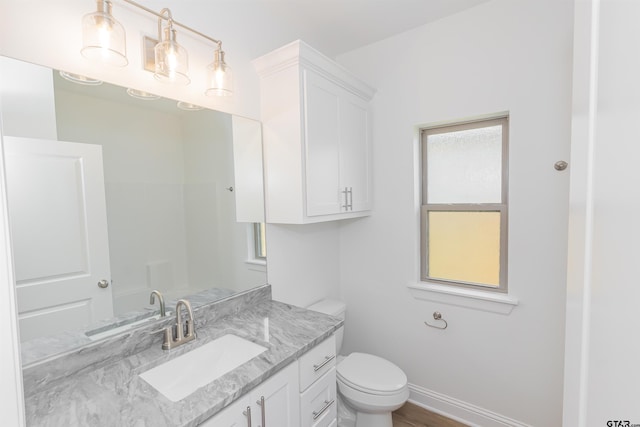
[{"x": 291, "y": 383}]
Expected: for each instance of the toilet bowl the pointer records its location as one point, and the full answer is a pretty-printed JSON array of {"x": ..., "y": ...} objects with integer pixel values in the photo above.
[{"x": 371, "y": 385}]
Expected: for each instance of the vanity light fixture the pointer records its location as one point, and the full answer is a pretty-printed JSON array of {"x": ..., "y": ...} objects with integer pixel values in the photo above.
[
  {"x": 103, "y": 38},
  {"x": 171, "y": 59},
  {"x": 219, "y": 76}
]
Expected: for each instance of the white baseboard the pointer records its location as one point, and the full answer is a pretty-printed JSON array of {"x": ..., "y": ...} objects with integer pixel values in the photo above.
[{"x": 458, "y": 410}]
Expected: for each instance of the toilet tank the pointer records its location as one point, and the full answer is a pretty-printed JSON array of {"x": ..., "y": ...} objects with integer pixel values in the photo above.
[{"x": 333, "y": 308}]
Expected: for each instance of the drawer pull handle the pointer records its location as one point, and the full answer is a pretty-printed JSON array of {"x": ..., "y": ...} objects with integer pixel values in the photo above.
[
  {"x": 247, "y": 414},
  {"x": 326, "y": 406},
  {"x": 327, "y": 359}
]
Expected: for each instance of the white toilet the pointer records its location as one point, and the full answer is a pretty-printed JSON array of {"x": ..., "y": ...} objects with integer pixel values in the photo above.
[{"x": 371, "y": 385}]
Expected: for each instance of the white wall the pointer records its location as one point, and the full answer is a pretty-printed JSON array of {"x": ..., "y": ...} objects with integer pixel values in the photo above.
[
  {"x": 303, "y": 262},
  {"x": 500, "y": 56},
  {"x": 603, "y": 348},
  {"x": 217, "y": 244},
  {"x": 144, "y": 174}
]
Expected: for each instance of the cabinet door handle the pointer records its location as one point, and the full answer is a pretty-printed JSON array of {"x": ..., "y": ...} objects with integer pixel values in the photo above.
[
  {"x": 326, "y": 406},
  {"x": 346, "y": 199},
  {"x": 351, "y": 198},
  {"x": 327, "y": 359},
  {"x": 264, "y": 410},
  {"x": 247, "y": 414}
]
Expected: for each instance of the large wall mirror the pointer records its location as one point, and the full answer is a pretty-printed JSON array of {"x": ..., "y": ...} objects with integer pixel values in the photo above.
[{"x": 123, "y": 196}]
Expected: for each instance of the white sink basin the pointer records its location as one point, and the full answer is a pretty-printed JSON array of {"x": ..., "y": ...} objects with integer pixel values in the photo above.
[{"x": 179, "y": 377}]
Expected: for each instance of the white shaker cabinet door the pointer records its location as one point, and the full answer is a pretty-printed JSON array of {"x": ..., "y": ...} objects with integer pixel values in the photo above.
[
  {"x": 355, "y": 155},
  {"x": 277, "y": 400},
  {"x": 234, "y": 415},
  {"x": 337, "y": 149},
  {"x": 322, "y": 143}
]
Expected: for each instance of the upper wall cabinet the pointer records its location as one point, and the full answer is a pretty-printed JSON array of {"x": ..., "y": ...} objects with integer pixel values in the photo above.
[{"x": 316, "y": 135}]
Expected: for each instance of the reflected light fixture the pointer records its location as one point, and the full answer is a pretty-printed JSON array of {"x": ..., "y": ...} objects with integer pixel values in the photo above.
[
  {"x": 103, "y": 38},
  {"x": 79, "y": 79},
  {"x": 188, "y": 106},
  {"x": 140, "y": 94},
  {"x": 219, "y": 76}
]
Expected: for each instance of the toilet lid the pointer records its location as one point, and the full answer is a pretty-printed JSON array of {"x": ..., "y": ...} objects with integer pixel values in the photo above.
[{"x": 371, "y": 374}]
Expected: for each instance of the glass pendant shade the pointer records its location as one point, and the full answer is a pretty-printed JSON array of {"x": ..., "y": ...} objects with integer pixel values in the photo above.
[
  {"x": 219, "y": 77},
  {"x": 103, "y": 38},
  {"x": 171, "y": 60}
]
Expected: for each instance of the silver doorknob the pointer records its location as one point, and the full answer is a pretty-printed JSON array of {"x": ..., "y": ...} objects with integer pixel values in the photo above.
[{"x": 103, "y": 284}]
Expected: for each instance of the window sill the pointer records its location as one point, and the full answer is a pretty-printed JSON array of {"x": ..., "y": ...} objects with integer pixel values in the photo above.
[
  {"x": 256, "y": 264},
  {"x": 470, "y": 298}
]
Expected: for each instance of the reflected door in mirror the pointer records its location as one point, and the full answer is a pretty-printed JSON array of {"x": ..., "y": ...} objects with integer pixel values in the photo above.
[{"x": 58, "y": 224}]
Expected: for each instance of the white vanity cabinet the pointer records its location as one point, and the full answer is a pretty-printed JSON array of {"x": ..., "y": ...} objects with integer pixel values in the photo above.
[
  {"x": 277, "y": 400},
  {"x": 301, "y": 395},
  {"x": 316, "y": 136},
  {"x": 318, "y": 406}
]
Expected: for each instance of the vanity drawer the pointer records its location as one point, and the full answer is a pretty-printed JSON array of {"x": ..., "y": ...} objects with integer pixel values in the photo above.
[
  {"x": 318, "y": 405},
  {"x": 317, "y": 361}
]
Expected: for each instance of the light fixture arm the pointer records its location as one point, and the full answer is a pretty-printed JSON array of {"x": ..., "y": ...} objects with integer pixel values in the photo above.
[{"x": 161, "y": 16}]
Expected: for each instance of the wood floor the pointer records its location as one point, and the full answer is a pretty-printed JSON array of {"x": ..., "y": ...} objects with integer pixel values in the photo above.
[{"x": 411, "y": 415}]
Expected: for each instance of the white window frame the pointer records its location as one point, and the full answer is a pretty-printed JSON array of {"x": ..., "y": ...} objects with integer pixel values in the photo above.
[
  {"x": 253, "y": 255},
  {"x": 502, "y": 207}
]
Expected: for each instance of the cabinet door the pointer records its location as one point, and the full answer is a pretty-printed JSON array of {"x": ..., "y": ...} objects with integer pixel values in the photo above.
[
  {"x": 322, "y": 145},
  {"x": 234, "y": 415},
  {"x": 355, "y": 161},
  {"x": 278, "y": 397}
]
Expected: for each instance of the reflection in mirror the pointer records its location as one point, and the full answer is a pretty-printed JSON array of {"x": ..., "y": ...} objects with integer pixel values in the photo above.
[{"x": 112, "y": 197}]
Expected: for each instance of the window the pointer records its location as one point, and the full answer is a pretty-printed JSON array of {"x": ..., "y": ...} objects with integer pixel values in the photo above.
[
  {"x": 259, "y": 241},
  {"x": 464, "y": 204}
]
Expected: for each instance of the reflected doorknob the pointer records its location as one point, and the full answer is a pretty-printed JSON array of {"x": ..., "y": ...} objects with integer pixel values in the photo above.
[{"x": 103, "y": 284}]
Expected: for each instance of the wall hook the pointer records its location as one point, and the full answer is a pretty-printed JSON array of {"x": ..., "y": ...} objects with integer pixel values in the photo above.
[{"x": 437, "y": 316}]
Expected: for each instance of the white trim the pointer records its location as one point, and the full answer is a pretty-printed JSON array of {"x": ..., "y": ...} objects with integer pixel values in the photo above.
[
  {"x": 11, "y": 394},
  {"x": 298, "y": 53},
  {"x": 581, "y": 217},
  {"x": 459, "y": 410},
  {"x": 493, "y": 302}
]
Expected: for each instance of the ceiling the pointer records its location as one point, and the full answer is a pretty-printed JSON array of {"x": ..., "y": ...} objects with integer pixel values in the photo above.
[{"x": 256, "y": 27}]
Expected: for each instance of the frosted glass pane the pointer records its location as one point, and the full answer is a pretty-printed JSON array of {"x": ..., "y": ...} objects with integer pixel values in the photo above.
[
  {"x": 465, "y": 166},
  {"x": 465, "y": 247}
]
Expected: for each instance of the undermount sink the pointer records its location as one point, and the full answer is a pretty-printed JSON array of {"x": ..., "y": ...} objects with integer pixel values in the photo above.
[{"x": 179, "y": 377}]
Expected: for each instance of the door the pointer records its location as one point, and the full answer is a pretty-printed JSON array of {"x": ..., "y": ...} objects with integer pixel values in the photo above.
[{"x": 58, "y": 223}]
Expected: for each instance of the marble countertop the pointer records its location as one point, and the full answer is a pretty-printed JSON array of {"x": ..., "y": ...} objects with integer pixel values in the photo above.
[{"x": 114, "y": 395}]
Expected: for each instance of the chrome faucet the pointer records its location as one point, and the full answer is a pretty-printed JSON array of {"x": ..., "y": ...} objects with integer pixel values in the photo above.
[
  {"x": 180, "y": 333},
  {"x": 152, "y": 300}
]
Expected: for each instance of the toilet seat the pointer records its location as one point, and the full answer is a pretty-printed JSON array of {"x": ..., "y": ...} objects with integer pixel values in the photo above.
[{"x": 371, "y": 375}]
